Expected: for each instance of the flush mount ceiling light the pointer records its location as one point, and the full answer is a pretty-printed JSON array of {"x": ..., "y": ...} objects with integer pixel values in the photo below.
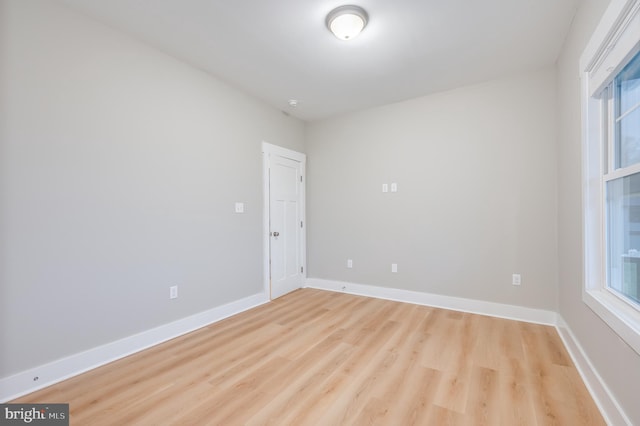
[{"x": 346, "y": 22}]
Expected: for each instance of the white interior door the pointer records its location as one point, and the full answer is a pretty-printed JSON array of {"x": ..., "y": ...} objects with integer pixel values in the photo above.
[{"x": 285, "y": 171}]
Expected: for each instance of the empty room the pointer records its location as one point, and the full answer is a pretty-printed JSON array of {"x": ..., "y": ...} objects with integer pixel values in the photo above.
[{"x": 313, "y": 212}]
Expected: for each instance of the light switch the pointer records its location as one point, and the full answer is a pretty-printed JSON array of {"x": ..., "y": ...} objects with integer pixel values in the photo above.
[
  {"x": 394, "y": 187},
  {"x": 516, "y": 279},
  {"x": 349, "y": 263},
  {"x": 239, "y": 207},
  {"x": 385, "y": 187},
  {"x": 394, "y": 267}
]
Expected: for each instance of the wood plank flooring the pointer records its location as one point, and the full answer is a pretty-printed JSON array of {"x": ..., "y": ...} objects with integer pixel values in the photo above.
[{"x": 321, "y": 358}]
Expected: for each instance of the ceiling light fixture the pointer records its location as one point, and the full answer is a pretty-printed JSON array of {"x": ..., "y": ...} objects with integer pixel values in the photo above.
[{"x": 346, "y": 22}]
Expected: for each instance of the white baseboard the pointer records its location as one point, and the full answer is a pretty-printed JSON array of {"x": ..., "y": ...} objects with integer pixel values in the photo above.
[
  {"x": 519, "y": 313},
  {"x": 23, "y": 383},
  {"x": 609, "y": 407}
]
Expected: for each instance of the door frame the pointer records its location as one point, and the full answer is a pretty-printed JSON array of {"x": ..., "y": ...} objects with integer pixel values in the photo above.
[{"x": 267, "y": 150}]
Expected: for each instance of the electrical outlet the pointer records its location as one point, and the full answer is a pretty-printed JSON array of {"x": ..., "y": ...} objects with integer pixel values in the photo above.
[
  {"x": 349, "y": 263},
  {"x": 516, "y": 279},
  {"x": 394, "y": 267},
  {"x": 173, "y": 292}
]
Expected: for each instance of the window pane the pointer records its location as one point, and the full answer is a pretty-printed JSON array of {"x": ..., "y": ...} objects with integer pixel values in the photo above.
[
  {"x": 628, "y": 82},
  {"x": 627, "y": 101},
  {"x": 628, "y": 130},
  {"x": 623, "y": 236}
]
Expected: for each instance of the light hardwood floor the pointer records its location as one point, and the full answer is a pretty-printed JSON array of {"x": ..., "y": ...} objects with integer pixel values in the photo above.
[{"x": 322, "y": 358}]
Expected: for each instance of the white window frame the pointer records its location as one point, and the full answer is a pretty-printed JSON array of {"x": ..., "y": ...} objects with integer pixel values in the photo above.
[{"x": 615, "y": 41}]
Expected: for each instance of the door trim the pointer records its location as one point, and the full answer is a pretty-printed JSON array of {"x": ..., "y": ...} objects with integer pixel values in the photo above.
[{"x": 267, "y": 150}]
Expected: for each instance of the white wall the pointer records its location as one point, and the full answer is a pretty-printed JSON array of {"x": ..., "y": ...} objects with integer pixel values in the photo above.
[
  {"x": 119, "y": 169},
  {"x": 617, "y": 363},
  {"x": 476, "y": 174}
]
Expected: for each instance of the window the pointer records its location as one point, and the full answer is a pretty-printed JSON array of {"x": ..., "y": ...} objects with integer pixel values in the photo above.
[
  {"x": 611, "y": 170},
  {"x": 622, "y": 184}
]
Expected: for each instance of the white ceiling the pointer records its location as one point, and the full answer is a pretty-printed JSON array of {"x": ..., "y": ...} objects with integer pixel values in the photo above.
[{"x": 278, "y": 50}]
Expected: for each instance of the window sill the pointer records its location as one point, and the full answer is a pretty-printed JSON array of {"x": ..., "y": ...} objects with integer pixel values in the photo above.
[{"x": 622, "y": 318}]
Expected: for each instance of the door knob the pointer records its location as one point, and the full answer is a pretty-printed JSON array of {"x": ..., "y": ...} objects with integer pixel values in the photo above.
[{"x": 276, "y": 234}]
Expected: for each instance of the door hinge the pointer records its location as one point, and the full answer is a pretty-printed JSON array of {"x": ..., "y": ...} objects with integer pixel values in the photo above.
[
  {"x": 300, "y": 224},
  {"x": 302, "y": 269},
  {"x": 300, "y": 178}
]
